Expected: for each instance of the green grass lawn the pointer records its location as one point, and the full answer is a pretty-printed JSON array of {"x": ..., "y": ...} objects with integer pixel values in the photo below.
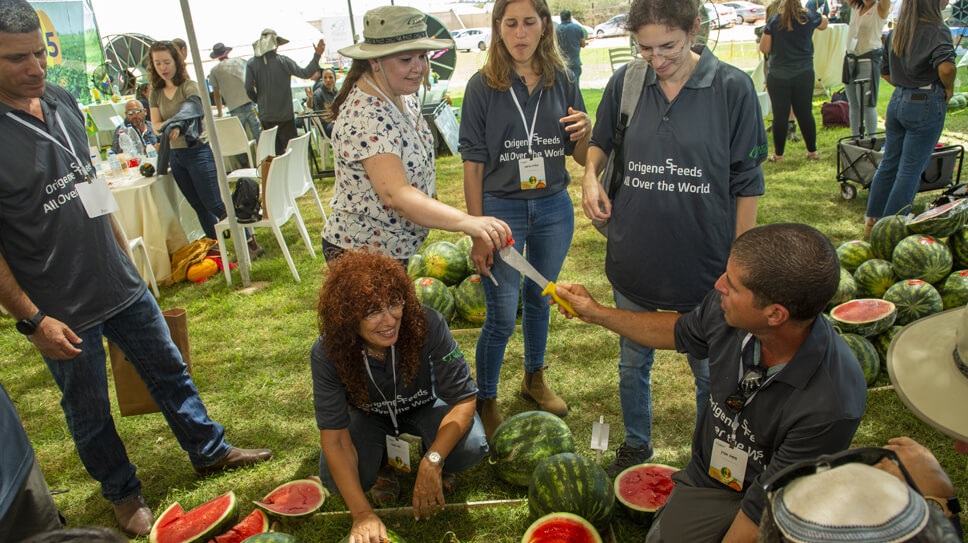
[{"x": 250, "y": 354}]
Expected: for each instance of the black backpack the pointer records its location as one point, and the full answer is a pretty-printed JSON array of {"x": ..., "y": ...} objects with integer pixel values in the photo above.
[{"x": 245, "y": 199}]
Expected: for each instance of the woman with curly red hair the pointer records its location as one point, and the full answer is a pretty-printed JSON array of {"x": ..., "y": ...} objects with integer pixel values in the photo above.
[{"x": 384, "y": 365}]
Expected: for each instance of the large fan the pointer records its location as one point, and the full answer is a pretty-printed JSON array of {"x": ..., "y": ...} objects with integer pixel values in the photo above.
[
  {"x": 106, "y": 78},
  {"x": 442, "y": 62},
  {"x": 129, "y": 53},
  {"x": 956, "y": 17}
]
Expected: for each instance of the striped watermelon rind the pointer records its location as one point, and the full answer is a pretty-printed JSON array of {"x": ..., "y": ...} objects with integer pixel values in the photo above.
[
  {"x": 524, "y": 440},
  {"x": 469, "y": 298},
  {"x": 882, "y": 341},
  {"x": 958, "y": 245},
  {"x": 874, "y": 277},
  {"x": 416, "y": 267},
  {"x": 561, "y": 528},
  {"x": 921, "y": 257},
  {"x": 445, "y": 261},
  {"x": 866, "y": 356},
  {"x": 571, "y": 483},
  {"x": 941, "y": 221},
  {"x": 854, "y": 253},
  {"x": 433, "y": 292},
  {"x": 915, "y": 299},
  {"x": 954, "y": 293},
  {"x": 864, "y": 316},
  {"x": 886, "y": 234},
  {"x": 295, "y": 499},
  {"x": 846, "y": 289}
]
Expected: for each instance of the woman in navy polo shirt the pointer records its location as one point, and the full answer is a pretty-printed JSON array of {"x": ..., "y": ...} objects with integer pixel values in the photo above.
[
  {"x": 521, "y": 115},
  {"x": 788, "y": 39}
]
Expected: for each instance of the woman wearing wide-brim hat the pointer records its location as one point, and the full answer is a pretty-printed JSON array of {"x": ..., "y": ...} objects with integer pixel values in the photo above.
[{"x": 384, "y": 195}]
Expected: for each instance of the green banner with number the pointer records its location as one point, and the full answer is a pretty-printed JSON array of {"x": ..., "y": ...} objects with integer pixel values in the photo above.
[{"x": 73, "y": 45}]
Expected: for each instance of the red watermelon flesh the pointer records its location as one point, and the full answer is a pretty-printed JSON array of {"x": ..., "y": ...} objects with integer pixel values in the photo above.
[
  {"x": 561, "y": 528},
  {"x": 294, "y": 499},
  {"x": 256, "y": 523},
  {"x": 646, "y": 486},
  {"x": 199, "y": 524}
]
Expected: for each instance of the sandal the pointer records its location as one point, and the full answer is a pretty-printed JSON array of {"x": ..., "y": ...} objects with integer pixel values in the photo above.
[
  {"x": 386, "y": 490},
  {"x": 775, "y": 158},
  {"x": 813, "y": 156}
]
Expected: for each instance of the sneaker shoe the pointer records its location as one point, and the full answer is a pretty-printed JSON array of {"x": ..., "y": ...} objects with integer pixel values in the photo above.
[
  {"x": 626, "y": 457},
  {"x": 386, "y": 490},
  {"x": 255, "y": 250}
]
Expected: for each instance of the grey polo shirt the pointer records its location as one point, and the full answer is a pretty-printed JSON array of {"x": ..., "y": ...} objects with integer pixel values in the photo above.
[
  {"x": 229, "y": 77},
  {"x": 674, "y": 218},
  {"x": 492, "y": 132},
  {"x": 925, "y": 53},
  {"x": 811, "y": 407},
  {"x": 70, "y": 266},
  {"x": 443, "y": 374}
]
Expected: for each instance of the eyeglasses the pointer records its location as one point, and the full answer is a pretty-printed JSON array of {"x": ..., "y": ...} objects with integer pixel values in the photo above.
[
  {"x": 860, "y": 455},
  {"x": 133, "y": 111},
  {"x": 751, "y": 382},
  {"x": 665, "y": 52},
  {"x": 395, "y": 310}
]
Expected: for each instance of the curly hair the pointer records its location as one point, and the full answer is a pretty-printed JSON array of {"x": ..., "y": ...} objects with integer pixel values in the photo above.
[
  {"x": 547, "y": 57},
  {"x": 359, "y": 283},
  {"x": 675, "y": 14},
  {"x": 181, "y": 73}
]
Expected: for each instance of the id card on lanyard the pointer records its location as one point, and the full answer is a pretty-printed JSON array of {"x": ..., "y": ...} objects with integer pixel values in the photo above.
[
  {"x": 531, "y": 169},
  {"x": 398, "y": 450},
  {"x": 93, "y": 192}
]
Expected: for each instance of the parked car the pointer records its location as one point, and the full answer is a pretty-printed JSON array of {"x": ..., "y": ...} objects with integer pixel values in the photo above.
[
  {"x": 471, "y": 38},
  {"x": 720, "y": 15},
  {"x": 749, "y": 11},
  {"x": 589, "y": 31},
  {"x": 612, "y": 27}
]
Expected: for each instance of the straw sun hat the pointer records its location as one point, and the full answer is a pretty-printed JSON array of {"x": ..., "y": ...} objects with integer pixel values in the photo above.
[{"x": 393, "y": 29}]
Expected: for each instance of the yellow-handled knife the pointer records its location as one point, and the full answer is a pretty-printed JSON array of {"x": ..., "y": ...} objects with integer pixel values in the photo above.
[{"x": 514, "y": 259}]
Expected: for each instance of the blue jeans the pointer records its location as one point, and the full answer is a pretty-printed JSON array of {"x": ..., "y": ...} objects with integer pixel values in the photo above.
[
  {"x": 635, "y": 382},
  {"x": 915, "y": 118},
  {"x": 369, "y": 433},
  {"x": 542, "y": 230},
  {"x": 142, "y": 335},
  {"x": 248, "y": 118},
  {"x": 195, "y": 175}
]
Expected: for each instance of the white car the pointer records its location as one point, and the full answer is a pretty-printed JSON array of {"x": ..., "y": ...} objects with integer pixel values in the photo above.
[
  {"x": 472, "y": 38},
  {"x": 748, "y": 11},
  {"x": 720, "y": 15},
  {"x": 612, "y": 27}
]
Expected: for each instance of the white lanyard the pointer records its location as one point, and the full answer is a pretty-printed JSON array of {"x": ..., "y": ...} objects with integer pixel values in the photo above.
[
  {"x": 525, "y": 120},
  {"x": 77, "y": 161},
  {"x": 391, "y": 406},
  {"x": 756, "y": 360},
  {"x": 406, "y": 118}
]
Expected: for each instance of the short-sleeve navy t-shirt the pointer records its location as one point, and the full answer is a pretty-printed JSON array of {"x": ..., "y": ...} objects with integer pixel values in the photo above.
[
  {"x": 443, "y": 374},
  {"x": 920, "y": 66},
  {"x": 792, "y": 50}
]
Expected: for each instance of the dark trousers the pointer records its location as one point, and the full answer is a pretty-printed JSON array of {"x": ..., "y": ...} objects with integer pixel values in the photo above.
[
  {"x": 796, "y": 92},
  {"x": 32, "y": 510},
  {"x": 286, "y": 132},
  {"x": 195, "y": 175}
]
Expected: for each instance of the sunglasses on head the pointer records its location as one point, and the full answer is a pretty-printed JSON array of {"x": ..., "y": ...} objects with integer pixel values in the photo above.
[{"x": 859, "y": 455}]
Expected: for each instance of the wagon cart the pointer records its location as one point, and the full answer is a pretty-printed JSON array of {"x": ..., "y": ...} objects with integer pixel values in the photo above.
[{"x": 858, "y": 158}]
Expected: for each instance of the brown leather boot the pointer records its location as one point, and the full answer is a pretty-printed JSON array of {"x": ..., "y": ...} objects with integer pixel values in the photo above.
[
  {"x": 134, "y": 517},
  {"x": 534, "y": 388},
  {"x": 490, "y": 416}
]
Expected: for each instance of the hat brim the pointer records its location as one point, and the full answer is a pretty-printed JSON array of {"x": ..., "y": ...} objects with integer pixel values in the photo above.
[
  {"x": 363, "y": 50},
  {"x": 221, "y": 53},
  {"x": 921, "y": 367}
]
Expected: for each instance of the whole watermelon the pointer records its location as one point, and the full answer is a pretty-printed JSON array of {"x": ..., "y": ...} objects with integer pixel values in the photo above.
[
  {"x": 954, "y": 293},
  {"x": 873, "y": 278},
  {"x": 445, "y": 261},
  {"x": 846, "y": 289},
  {"x": 882, "y": 341},
  {"x": 570, "y": 483},
  {"x": 469, "y": 299},
  {"x": 433, "y": 292},
  {"x": 866, "y": 355},
  {"x": 521, "y": 441},
  {"x": 465, "y": 243},
  {"x": 854, "y": 253},
  {"x": 921, "y": 257},
  {"x": 939, "y": 222},
  {"x": 416, "y": 267},
  {"x": 886, "y": 234},
  {"x": 914, "y": 300},
  {"x": 958, "y": 245}
]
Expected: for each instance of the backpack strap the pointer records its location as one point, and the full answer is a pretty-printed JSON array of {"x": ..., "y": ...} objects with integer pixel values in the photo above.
[{"x": 632, "y": 86}]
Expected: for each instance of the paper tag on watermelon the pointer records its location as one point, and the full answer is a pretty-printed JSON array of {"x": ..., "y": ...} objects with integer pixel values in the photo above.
[
  {"x": 398, "y": 454},
  {"x": 600, "y": 435}
]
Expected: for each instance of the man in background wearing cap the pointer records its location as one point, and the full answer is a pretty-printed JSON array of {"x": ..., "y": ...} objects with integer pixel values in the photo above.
[
  {"x": 267, "y": 77},
  {"x": 228, "y": 79},
  {"x": 784, "y": 386},
  {"x": 571, "y": 38}
]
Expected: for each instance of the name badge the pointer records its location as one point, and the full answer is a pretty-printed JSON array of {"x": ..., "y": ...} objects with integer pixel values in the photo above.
[
  {"x": 398, "y": 453},
  {"x": 532, "y": 173},
  {"x": 96, "y": 197},
  {"x": 727, "y": 465}
]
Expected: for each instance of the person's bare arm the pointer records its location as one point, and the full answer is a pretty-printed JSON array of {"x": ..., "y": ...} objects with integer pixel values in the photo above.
[
  {"x": 428, "y": 496},
  {"x": 766, "y": 43},
  {"x": 746, "y": 213},
  {"x": 341, "y": 457},
  {"x": 824, "y": 23},
  {"x": 649, "y": 328},
  {"x": 53, "y": 338},
  {"x": 594, "y": 201},
  {"x": 946, "y": 71},
  {"x": 883, "y": 8},
  {"x": 155, "y": 120},
  {"x": 579, "y": 126},
  {"x": 218, "y": 100},
  {"x": 742, "y": 530}
]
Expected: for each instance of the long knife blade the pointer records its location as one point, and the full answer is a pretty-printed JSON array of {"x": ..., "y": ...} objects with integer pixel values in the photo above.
[{"x": 513, "y": 258}]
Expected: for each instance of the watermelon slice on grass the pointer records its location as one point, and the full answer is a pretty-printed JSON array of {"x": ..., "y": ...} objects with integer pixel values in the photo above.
[
  {"x": 176, "y": 525},
  {"x": 641, "y": 490},
  {"x": 256, "y": 523},
  {"x": 294, "y": 499},
  {"x": 561, "y": 528}
]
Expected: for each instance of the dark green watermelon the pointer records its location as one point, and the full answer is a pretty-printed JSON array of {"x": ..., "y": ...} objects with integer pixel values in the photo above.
[
  {"x": 866, "y": 355},
  {"x": 882, "y": 341},
  {"x": 521, "y": 441},
  {"x": 873, "y": 278},
  {"x": 886, "y": 234},
  {"x": 433, "y": 292},
  {"x": 571, "y": 483},
  {"x": 416, "y": 267},
  {"x": 914, "y": 299},
  {"x": 846, "y": 289},
  {"x": 469, "y": 299},
  {"x": 954, "y": 293},
  {"x": 958, "y": 245},
  {"x": 854, "y": 253},
  {"x": 445, "y": 261},
  {"x": 921, "y": 257},
  {"x": 939, "y": 222}
]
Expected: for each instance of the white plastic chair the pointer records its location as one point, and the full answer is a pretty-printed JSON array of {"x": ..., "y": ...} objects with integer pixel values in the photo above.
[
  {"x": 266, "y": 147},
  {"x": 324, "y": 144},
  {"x": 232, "y": 139},
  {"x": 300, "y": 180},
  {"x": 139, "y": 243},
  {"x": 106, "y": 119},
  {"x": 279, "y": 208}
]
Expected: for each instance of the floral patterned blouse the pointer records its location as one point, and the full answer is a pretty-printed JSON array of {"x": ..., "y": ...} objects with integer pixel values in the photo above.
[{"x": 367, "y": 126}]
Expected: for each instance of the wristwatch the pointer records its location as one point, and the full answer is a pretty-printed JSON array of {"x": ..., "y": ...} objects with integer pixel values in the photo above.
[
  {"x": 949, "y": 506},
  {"x": 434, "y": 458},
  {"x": 29, "y": 326}
]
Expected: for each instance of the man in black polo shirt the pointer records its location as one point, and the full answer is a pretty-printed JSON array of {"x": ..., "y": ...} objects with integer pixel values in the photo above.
[{"x": 784, "y": 386}]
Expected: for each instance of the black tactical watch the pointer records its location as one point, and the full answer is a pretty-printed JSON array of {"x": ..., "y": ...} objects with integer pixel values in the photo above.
[{"x": 29, "y": 326}]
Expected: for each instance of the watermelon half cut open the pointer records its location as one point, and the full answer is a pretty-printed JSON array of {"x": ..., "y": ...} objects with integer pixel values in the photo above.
[
  {"x": 561, "y": 528},
  {"x": 176, "y": 525},
  {"x": 256, "y": 523},
  {"x": 643, "y": 489},
  {"x": 295, "y": 499},
  {"x": 864, "y": 316},
  {"x": 941, "y": 221}
]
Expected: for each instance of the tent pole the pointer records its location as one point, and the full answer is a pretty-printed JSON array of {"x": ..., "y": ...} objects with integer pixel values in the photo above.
[
  {"x": 349, "y": 4},
  {"x": 238, "y": 239}
]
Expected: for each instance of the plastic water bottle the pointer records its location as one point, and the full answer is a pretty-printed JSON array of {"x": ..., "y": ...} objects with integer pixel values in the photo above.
[
  {"x": 127, "y": 145},
  {"x": 150, "y": 152},
  {"x": 114, "y": 163},
  {"x": 138, "y": 149}
]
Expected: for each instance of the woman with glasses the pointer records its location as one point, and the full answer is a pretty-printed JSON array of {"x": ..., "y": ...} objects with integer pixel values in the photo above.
[
  {"x": 692, "y": 180},
  {"x": 788, "y": 40},
  {"x": 385, "y": 366},
  {"x": 522, "y": 115}
]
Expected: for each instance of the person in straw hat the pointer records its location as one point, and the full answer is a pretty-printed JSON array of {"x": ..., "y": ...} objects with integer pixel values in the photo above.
[{"x": 384, "y": 196}]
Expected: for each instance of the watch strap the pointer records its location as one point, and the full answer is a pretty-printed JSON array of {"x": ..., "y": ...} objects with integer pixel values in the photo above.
[{"x": 29, "y": 326}]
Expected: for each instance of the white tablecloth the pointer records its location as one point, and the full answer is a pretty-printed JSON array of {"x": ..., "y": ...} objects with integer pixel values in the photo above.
[
  {"x": 829, "y": 46},
  {"x": 149, "y": 208}
]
